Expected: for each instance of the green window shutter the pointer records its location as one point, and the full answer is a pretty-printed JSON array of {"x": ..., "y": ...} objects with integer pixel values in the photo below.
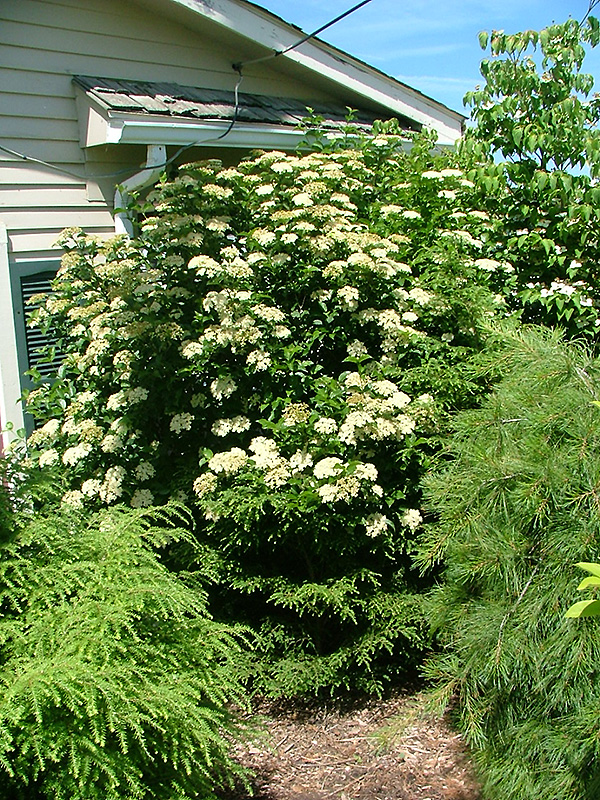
[
  {"x": 35, "y": 340},
  {"x": 28, "y": 279}
]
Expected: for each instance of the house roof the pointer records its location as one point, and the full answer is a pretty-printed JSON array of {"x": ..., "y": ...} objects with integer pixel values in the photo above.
[
  {"x": 115, "y": 111},
  {"x": 177, "y": 101},
  {"x": 260, "y": 34}
]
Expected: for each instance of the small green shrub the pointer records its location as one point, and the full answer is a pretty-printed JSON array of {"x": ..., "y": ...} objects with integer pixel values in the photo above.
[
  {"x": 114, "y": 682},
  {"x": 518, "y": 501}
]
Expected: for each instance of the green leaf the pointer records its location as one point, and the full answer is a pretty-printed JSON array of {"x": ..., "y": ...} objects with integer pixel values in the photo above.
[
  {"x": 532, "y": 142},
  {"x": 517, "y": 136},
  {"x": 584, "y": 608},
  {"x": 590, "y": 567},
  {"x": 587, "y": 582},
  {"x": 566, "y": 181}
]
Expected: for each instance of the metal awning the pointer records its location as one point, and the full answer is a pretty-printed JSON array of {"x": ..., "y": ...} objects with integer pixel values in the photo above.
[{"x": 114, "y": 111}]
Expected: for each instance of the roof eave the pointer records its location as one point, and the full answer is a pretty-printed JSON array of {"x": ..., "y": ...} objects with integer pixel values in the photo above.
[{"x": 269, "y": 31}]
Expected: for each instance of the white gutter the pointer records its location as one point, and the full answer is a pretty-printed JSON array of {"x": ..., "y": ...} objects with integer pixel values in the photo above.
[
  {"x": 156, "y": 157},
  {"x": 127, "y": 128}
]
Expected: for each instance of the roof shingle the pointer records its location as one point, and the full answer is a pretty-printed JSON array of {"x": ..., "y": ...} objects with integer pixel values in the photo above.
[{"x": 172, "y": 99}]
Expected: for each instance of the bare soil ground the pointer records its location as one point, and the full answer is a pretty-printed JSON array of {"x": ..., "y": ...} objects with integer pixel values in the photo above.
[{"x": 387, "y": 749}]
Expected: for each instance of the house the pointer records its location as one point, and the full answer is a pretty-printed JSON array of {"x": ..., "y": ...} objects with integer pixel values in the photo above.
[{"x": 105, "y": 92}]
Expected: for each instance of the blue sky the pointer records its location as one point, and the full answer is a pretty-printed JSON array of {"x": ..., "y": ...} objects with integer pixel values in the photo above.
[{"x": 431, "y": 46}]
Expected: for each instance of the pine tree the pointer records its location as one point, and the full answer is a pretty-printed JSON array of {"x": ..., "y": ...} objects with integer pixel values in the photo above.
[{"x": 518, "y": 506}]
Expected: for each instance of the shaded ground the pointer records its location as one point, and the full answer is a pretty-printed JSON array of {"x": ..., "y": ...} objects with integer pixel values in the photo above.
[{"x": 380, "y": 750}]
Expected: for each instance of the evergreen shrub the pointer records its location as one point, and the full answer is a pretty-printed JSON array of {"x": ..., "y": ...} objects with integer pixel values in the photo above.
[
  {"x": 280, "y": 344},
  {"x": 114, "y": 681},
  {"x": 518, "y": 506}
]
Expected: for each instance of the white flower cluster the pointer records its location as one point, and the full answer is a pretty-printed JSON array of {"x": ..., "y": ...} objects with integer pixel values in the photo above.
[
  {"x": 229, "y": 462},
  {"x": 222, "y": 388},
  {"x": 375, "y": 411},
  {"x": 268, "y": 313},
  {"x": 218, "y": 192},
  {"x": 91, "y": 487},
  {"x": 137, "y": 394},
  {"x": 420, "y": 296},
  {"x": 111, "y": 488},
  {"x": 349, "y": 297},
  {"x": 72, "y": 498},
  {"x": 463, "y": 237},
  {"x": 218, "y": 224},
  {"x": 142, "y": 498},
  {"x": 144, "y": 471},
  {"x": 236, "y": 329},
  {"x": 181, "y": 422},
  {"x": 205, "y": 484},
  {"x": 48, "y": 457},
  {"x": 205, "y": 266},
  {"x": 300, "y": 461},
  {"x": 487, "y": 264},
  {"x": 295, "y": 414},
  {"x": 356, "y": 349},
  {"x": 325, "y": 426},
  {"x": 73, "y": 455},
  {"x": 376, "y": 524},
  {"x": 263, "y": 237},
  {"x": 265, "y": 453},
  {"x": 48, "y": 431},
  {"x": 328, "y": 467},
  {"x": 561, "y": 287},
  {"x": 111, "y": 443},
  {"x": 258, "y": 360},
  {"x": 348, "y": 480},
  {"x": 441, "y": 174},
  {"x": 412, "y": 518},
  {"x": 223, "y": 427},
  {"x": 190, "y": 350}
]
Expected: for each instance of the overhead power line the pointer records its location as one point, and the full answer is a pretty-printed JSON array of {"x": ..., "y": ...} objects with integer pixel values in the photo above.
[{"x": 238, "y": 65}]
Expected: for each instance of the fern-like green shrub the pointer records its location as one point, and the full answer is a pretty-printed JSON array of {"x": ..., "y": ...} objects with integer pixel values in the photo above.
[
  {"x": 519, "y": 506},
  {"x": 114, "y": 682}
]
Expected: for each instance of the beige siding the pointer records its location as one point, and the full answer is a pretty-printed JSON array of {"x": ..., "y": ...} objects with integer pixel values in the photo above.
[{"x": 43, "y": 44}]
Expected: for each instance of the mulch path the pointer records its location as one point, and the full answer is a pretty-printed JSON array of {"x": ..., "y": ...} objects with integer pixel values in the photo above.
[{"x": 389, "y": 749}]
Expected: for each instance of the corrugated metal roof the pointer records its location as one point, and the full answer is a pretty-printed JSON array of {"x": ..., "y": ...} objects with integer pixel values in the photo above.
[{"x": 174, "y": 100}]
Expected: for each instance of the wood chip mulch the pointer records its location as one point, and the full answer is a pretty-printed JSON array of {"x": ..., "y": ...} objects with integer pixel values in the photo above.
[{"x": 389, "y": 749}]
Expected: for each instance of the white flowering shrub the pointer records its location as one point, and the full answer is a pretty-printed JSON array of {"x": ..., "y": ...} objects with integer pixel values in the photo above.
[{"x": 279, "y": 348}]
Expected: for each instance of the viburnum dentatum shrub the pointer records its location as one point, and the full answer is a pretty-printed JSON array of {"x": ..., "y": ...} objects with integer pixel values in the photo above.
[{"x": 279, "y": 346}]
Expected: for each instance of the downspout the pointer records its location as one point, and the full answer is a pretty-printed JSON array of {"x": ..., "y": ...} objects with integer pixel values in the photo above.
[
  {"x": 11, "y": 410},
  {"x": 156, "y": 156}
]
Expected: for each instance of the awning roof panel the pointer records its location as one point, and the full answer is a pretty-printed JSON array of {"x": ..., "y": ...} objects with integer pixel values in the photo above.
[{"x": 173, "y": 100}]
